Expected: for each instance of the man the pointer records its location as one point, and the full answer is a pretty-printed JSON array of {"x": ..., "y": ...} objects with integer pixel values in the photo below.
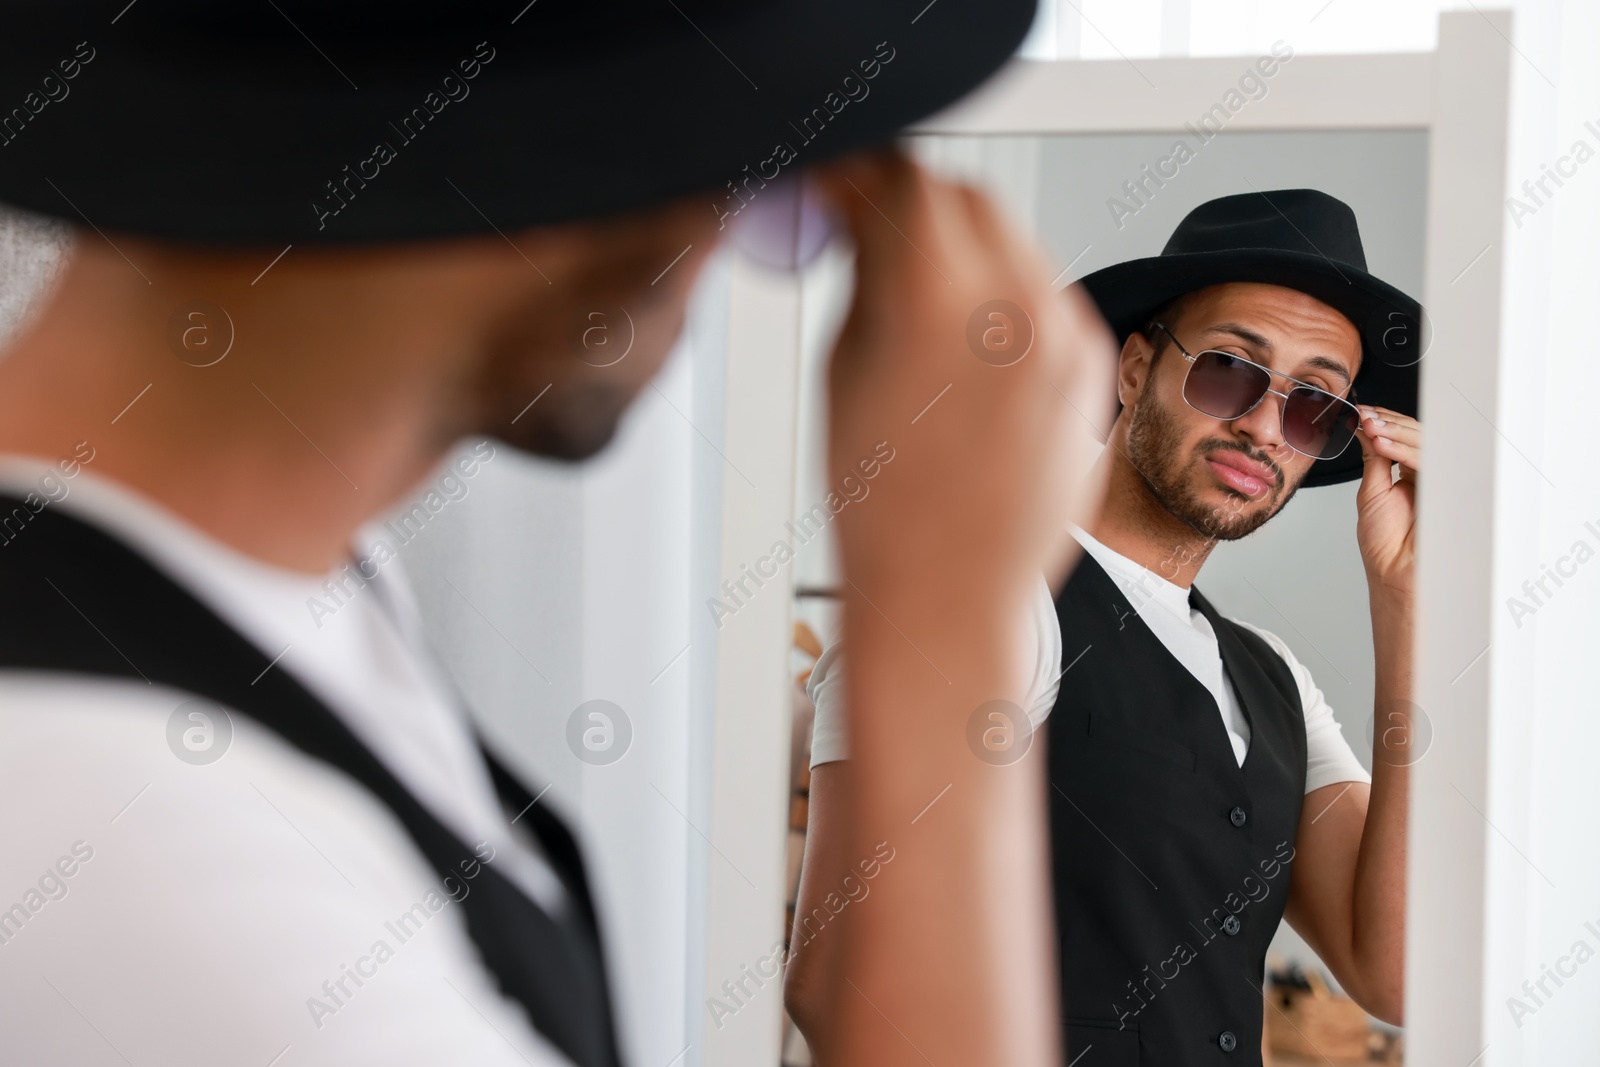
[
  {"x": 314, "y": 250},
  {"x": 1200, "y": 786}
]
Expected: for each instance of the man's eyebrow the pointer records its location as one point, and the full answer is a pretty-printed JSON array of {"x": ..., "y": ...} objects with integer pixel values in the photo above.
[
  {"x": 1249, "y": 336},
  {"x": 1333, "y": 366},
  {"x": 1244, "y": 333}
]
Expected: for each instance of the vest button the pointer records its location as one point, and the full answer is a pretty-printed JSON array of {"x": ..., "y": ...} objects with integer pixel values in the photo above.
[
  {"x": 1227, "y": 1041},
  {"x": 1237, "y": 816},
  {"x": 1231, "y": 925}
]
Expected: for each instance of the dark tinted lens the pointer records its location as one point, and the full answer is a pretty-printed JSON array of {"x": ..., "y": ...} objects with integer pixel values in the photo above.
[
  {"x": 1224, "y": 386},
  {"x": 1317, "y": 423}
]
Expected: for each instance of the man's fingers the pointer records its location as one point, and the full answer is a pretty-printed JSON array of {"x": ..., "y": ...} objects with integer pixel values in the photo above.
[
  {"x": 1407, "y": 456},
  {"x": 849, "y": 181},
  {"x": 874, "y": 193},
  {"x": 1380, "y": 422},
  {"x": 1376, "y": 471},
  {"x": 1395, "y": 437}
]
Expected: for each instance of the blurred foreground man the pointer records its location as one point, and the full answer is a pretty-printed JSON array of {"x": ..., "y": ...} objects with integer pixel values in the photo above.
[
  {"x": 314, "y": 249},
  {"x": 1200, "y": 787}
]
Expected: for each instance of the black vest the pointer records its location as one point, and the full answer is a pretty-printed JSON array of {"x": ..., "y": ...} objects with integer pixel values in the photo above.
[
  {"x": 77, "y": 600},
  {"x": 1171, "y": 862}
]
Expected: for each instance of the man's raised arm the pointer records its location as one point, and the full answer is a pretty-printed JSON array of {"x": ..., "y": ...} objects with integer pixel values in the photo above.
[{"x": 953, "y": 959}]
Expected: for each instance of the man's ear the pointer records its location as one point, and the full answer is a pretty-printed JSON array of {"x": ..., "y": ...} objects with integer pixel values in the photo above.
[{"x": 1133, "y": 367}]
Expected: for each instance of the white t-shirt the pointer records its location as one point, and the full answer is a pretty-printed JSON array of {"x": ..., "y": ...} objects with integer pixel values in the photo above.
[
  {"x": 1164, "y": 608},
  {"x": 207, "y": 905}
]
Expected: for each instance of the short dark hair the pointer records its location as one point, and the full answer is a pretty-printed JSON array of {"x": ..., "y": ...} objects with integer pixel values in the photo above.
[{"x": 1166, "y": 315}]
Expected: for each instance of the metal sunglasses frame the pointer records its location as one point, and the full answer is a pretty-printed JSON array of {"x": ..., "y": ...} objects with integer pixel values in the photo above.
[{"x": 1191, "y": 358}]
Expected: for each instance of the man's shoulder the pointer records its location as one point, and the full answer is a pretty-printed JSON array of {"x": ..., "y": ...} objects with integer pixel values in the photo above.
[
  {"x": 222, "y": 904},
  {"x": 81, "y": 751},
  {"x": 1282, "y": 661},
  {"x": 84, "y": 741},
  {"x": 1277, "y": 644},
  {"x": 50, "y": 717}
]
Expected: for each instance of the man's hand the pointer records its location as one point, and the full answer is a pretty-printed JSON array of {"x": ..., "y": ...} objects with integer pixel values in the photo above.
[
  {"x": 1386, "y": 509},
  {"x": 997, "y": 460}
]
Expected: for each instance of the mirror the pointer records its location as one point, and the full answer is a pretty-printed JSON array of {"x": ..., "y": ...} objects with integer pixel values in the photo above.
[{"x": 1095, "y": 200}]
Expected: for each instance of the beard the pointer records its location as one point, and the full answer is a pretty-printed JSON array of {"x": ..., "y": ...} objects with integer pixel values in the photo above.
[
  {"x": 579, "y": 398},
  {"x": 1155, "y": 438},
  {"x": 577, "y": 427}
]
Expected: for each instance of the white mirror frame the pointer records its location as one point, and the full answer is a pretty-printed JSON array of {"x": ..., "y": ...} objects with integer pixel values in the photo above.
[{"x": 1462, "y": 94}]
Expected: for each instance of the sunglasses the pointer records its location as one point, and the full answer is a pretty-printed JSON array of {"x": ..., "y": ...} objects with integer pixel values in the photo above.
[{"x": 1225, "y": 386}]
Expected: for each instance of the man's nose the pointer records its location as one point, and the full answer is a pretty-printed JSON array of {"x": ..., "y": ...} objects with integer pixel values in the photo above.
[{"x": 1263, "y": 424}]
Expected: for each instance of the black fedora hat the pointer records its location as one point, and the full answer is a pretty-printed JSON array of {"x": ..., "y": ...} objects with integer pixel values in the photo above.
[
  {"x": 1298, "y": 238},
  {"x": 289, "y": 121}
]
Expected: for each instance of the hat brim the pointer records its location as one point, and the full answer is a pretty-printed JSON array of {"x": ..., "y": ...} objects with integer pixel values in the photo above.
[
  {"x": 219, "y": 150},
  {"x": 1392, "y": 326}
]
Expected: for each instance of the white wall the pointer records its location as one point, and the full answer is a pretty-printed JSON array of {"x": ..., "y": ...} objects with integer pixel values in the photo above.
[
  {"x": 1138, "y": 29},
  {"x": 1541, "y": 806}
]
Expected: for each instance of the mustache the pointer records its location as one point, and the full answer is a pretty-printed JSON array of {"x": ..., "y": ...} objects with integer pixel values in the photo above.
[{"x": 1219, "y": 445}]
